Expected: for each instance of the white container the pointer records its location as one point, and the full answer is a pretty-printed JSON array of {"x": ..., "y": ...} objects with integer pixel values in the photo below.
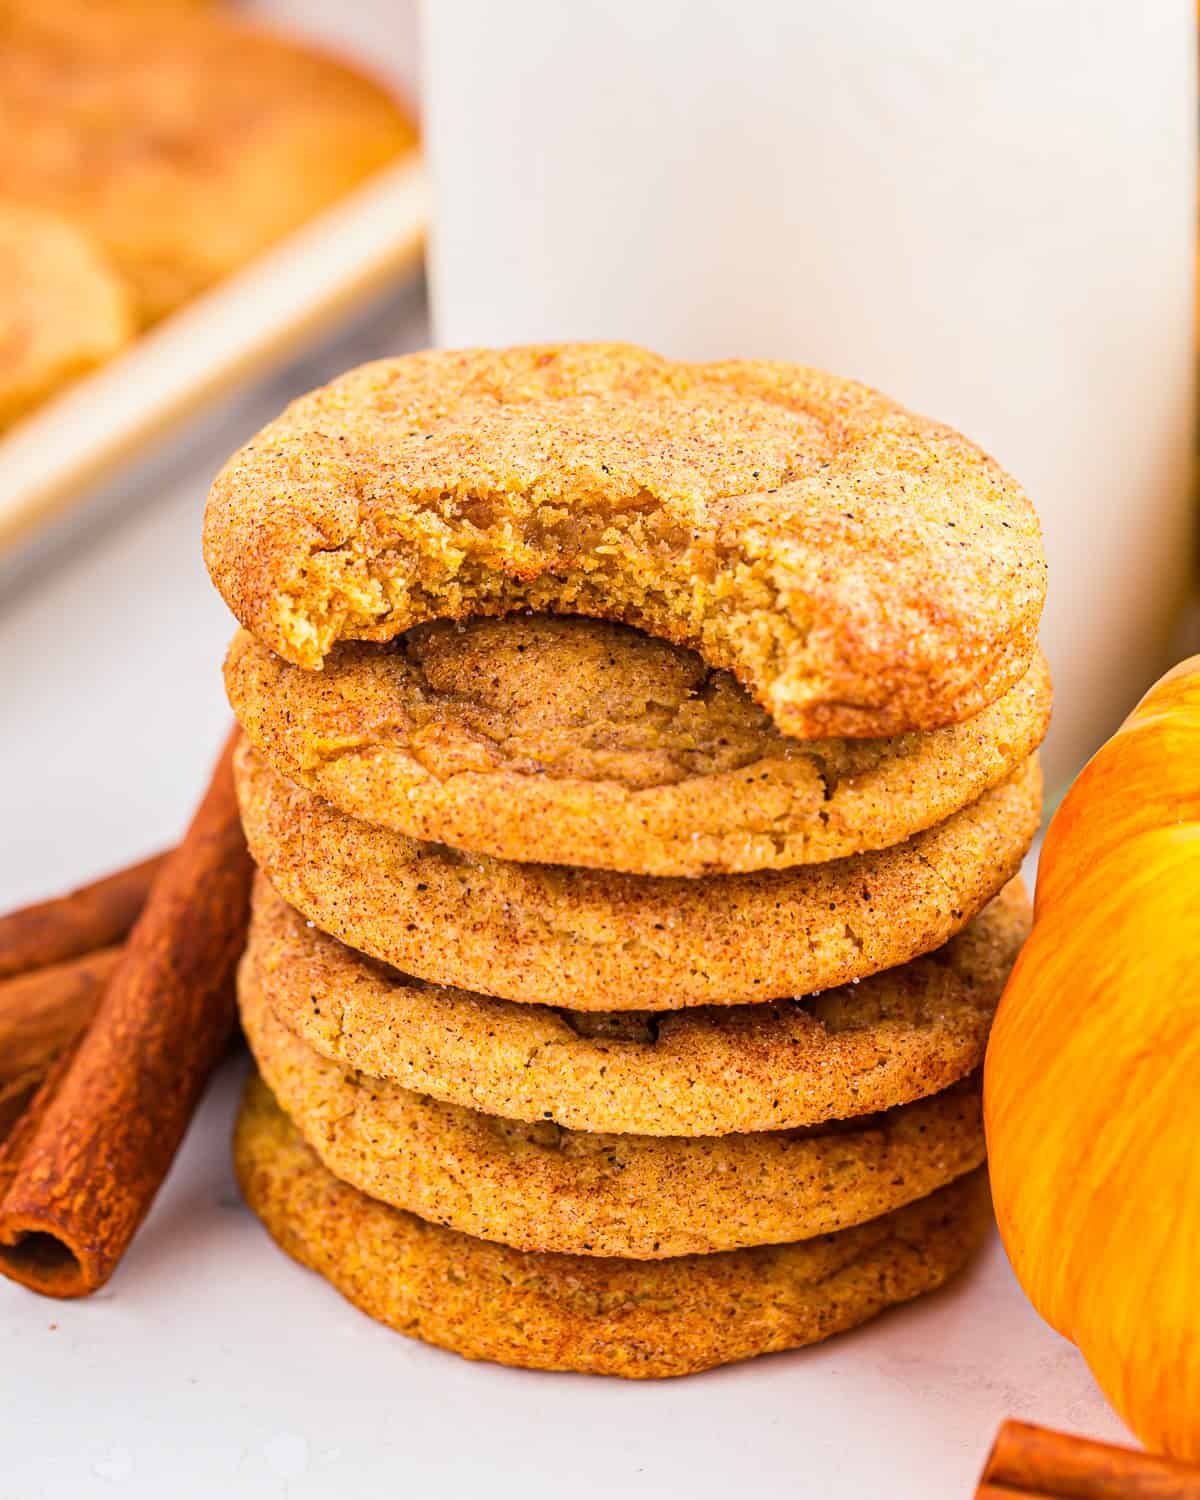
[{"x": 988, "y": 212}]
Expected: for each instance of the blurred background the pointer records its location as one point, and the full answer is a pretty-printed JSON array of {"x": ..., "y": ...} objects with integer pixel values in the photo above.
[{"x": 208, "y": 208}]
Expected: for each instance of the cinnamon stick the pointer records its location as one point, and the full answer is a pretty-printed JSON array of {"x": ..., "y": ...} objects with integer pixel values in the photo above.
[
  {"x": 1035, "y": 1463},
  {"x": 81, "y": 1168},
  {"x": 40, "y": 1015},
  {"x": 26, "y": 1128},
  {"x": 94, "y": 916},
  {"x": 1002, "y": 1492},
  {"x": 42, "y": 1011},
  {"x": 16, "y": 1094}
]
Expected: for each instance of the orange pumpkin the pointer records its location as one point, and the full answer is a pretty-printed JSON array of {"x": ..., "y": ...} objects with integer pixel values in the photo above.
[{"x": 1092, "y": 1081}]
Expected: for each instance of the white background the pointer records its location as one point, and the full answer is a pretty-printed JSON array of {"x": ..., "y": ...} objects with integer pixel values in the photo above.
[{"x": 213, "y": 1366}]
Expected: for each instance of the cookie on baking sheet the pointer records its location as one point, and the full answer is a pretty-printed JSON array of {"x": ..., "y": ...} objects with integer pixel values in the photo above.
[
  {"x": 63, "y": 309},
  {"x": 861, "y": 570},
  {"x": 83, "y": 13},
  {"x": 184, "y": 140},
  {"x": 540, "y": 1187},
  {"x": 587, "y": 1313},
  {"x": 595, "y": 940},
  {"x": 579, "y": 742},
  {"x": 711, "y": 1070}
]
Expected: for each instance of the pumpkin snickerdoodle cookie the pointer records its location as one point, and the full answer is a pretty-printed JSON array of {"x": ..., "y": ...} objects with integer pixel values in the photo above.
[
  {"x": 580, "y": 742},
  {"x": 539, "y": 1187},
  {"x": 184, "y": 140},
  {"x": 595, "y": 940},
  {"x": 855, "y": 1050},
  {"x": 63, "y": 309},
  {"x": 592, "y": 1314},
  {"x": 861, "y": 570}
]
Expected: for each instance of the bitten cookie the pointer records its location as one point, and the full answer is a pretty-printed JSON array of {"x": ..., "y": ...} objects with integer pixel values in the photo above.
[
  {"x": 861, "y": 570},
  {"x": 711, "y": 1070},
  {"x": 594, "y": 940},
  {"x": 578, "y": 742},
  {"x": 640, "y": 1319}
]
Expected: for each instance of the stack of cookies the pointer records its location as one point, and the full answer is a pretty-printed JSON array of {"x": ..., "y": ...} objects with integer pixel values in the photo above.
[{"x": 638, "y": 758}]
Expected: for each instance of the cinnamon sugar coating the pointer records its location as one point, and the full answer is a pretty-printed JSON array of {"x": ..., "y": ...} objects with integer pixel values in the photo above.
[
  {"x": 710, "y": 1070},
  {"x": 596, "y": 940},
  {"x": 603, "y": 1316},
  {"x": 579, "y": 742},
  {"x": 861, "y": 570},
  {"x": 536, "y": 1186}
]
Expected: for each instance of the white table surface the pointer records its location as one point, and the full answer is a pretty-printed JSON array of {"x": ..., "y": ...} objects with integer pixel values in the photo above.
[{"x": 212, "y": 1365}]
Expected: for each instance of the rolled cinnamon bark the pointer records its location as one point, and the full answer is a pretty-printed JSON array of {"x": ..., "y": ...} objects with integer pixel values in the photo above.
[
  {"x": 1002, "y": 1492},
  {"x": 42, "y": 1011},
  {"x": 94, "y": 916},
  {"x": 16, "y": 1094},
  {"x": 82, "y": 1166},
  {"x": 41, "y": 1014},
  {"x": 26, "y": 1126},
  {"x": 1036, "y": 1463}
]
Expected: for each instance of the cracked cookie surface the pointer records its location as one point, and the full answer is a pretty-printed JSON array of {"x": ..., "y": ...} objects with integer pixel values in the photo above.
[
  {"x": 606, "y": 1316},
  {"x": 596, "y": 940},
  {"x": 580, "y": 742},
  {"x": 861, "y": 570},
  {"x": 711, "y": 1070},
  {"x": 536, "y": 1186}
]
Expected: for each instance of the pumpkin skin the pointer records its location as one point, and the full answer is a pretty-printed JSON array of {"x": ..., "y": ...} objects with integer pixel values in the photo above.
[{"x": 1092, "y": 1078}]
